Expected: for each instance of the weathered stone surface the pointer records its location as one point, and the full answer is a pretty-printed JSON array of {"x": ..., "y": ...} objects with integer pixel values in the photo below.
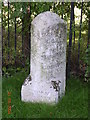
[{"x": 46, "y": 83}]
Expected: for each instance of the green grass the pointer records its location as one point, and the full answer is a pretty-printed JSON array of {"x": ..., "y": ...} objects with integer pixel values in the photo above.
[{"x": 73, "y": 105}]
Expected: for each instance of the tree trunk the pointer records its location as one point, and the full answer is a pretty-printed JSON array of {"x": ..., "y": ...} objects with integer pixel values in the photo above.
[
  {"x": 2, "y": 33},
  {"x": 78, "y": 65},
  {"x": 15, "y": 41},
  {"x": 70, "y": 41},
  {"x": 88, "y": 33},
  {"x": 74, "y": 27},
  {"x": 22, "y": 33},
  {"x": 1, "y": 41},
  {"x": 53, "y": 6},
  {"x": 8, "y": 33},
  {"x": 29, "y": 38},
  {"x": 26, "y": 35},
  {"x": 62, "y": 13}
]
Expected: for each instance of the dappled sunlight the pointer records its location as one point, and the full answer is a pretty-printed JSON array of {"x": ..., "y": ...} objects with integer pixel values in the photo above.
[{"x": 78, "y": 15}]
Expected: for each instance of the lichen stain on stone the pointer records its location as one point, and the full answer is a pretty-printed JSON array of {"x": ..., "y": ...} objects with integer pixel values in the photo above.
[
  {"x": 56, "y": 85},
  {"x": 28, "y": 79}
]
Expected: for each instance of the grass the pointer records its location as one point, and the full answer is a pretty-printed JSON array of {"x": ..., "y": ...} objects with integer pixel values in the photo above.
[{"x": 73, "y": 105}]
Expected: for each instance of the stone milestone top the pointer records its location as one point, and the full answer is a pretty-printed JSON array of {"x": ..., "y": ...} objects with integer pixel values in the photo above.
[{"x": 41, "y": 21}]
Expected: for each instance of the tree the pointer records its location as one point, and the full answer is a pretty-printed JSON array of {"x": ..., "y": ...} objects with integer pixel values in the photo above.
[
  {"x": 79, "y": 39},
  {"x": 74, "y": 27},
  {"x": 15, "y": 39},
  {"x": 62, "y": 10},
  {"x": 70, "y": 41},
  {"x": 2, "y": 32},
  {"x": 8, "y": 33}
]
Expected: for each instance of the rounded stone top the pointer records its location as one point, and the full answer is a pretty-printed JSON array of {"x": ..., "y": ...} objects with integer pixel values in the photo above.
[{"x": 47, "y": 19}]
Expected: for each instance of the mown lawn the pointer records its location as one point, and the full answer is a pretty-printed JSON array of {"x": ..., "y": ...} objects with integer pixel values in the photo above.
[{"x": 73, "y": 105}]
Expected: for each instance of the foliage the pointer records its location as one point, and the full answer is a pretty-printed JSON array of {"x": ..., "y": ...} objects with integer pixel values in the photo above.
[
  {"x": 87, "y": 61},
  {"x": 27, "y": 11}
]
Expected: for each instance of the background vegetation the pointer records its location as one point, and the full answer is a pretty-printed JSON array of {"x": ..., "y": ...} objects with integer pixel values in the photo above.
[{"x": 16, "y": 24}]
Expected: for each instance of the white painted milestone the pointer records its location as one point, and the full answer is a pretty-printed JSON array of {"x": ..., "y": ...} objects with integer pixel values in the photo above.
[{"x": 46, "y": 82}]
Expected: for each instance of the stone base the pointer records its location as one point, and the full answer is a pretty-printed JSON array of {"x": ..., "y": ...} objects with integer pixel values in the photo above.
[{"x": 44, "y": 92}]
